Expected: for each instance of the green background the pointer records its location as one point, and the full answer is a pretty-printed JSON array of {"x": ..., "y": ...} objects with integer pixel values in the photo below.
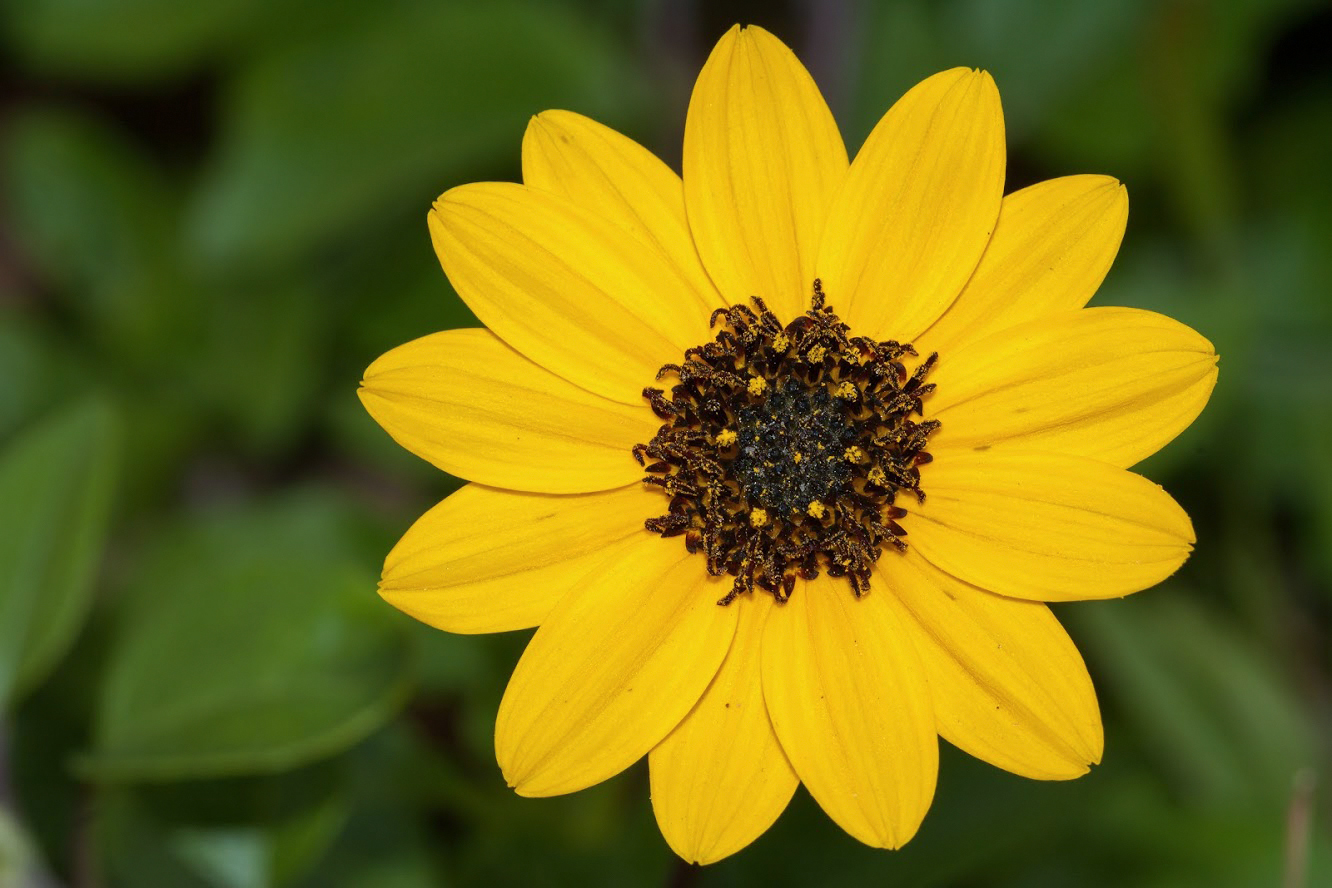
[{"x": 214, "y": 219}]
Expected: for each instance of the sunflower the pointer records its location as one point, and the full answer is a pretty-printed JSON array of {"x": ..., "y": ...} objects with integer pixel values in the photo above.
[{"x": 784, "y": 456}]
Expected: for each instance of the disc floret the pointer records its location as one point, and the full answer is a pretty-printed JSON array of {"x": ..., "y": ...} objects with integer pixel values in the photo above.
[{"x": 783, "y": 448}]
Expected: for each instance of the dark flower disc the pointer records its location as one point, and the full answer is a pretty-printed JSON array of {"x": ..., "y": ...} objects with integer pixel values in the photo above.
[{"x": 783, "y": 448}]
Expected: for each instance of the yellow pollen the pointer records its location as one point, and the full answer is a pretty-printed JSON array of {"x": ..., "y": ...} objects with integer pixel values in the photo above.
[
  {"x": 797, "y": 456},
  {"x": 846, "y": 390},
  {"x": 817, "y": 509},
  {"x": 780, "y": 342},
  {"x": 854, "y": 455},
  {"x": 876, "y": 476},
  {"x": 726, "y": 437},
  {"x": 816, "y": 354},
  {"x": 758, "y": 517},
  {"x": 757, "y": 384}
]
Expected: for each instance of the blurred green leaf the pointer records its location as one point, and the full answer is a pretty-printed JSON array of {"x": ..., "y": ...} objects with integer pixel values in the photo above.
[
  {"x": 119, "y": 39},
  {"x": 1209, "y": 708},
  {"x": 99, "y": 223},
  {"x": 56, "y": 481},
  {"x": 384, "y": 840},
  {"x": 1042, "y": 56},
  {"x": 319, "y": 137},
  {"x": 45, "y": 731},
  {"x": 252, "y": 641},
  {"x": 261, "y": 361},
  {"x": 18, "y": 868},
  {"x": 39, "y": 369},
  {"x": 252, "y": 832}
]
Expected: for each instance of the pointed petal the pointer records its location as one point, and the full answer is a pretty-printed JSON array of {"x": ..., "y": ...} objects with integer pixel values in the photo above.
[
  {"x": 917, "y": 208},
  {"x": 1045, "y": 526},
  {"x": 618, "y": 179},
  {"x": 1007, "y": 683},
  {"x": 1114, "y": 384},
  {"x": 487, "y": 560},
  {"x": 619, "y": 662},
  {"x": 762, "y": 161},
  {"x": 578, "y": 294},
  {"x": 1051, "y": 249},
  {"x": 849, "y": 703},
  {"x": 720, "y": 779},
  {"x": 469, "y": 404}
]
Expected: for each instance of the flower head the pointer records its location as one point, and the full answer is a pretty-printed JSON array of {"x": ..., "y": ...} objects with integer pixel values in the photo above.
[{"x": 784, "y": 456}]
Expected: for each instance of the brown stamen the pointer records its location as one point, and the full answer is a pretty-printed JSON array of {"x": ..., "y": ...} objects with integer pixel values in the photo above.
[{"x": 783, "y": 448}]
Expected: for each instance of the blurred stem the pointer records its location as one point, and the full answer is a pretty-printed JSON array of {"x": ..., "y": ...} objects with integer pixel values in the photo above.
[{"x": 1299, "y": 825}]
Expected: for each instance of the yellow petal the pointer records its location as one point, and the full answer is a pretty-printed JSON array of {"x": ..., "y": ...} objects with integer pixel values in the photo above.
[
  {"x": 917, "y": 207},
  {"x": 849, "y": 702},
  {"x": 475, "y": 408},
  {"x": 1007, "y": 683},
  {"x": 1114, "y": 384},
  {"x": 487, "y": 560},
  {"x": 578, "y": 294},
  {"x": 720, "y": 779},
  {"x": 1051, "y": 249},
  {"x": 1045, "y": 526},
  {"x": 615, "y": 667},
  {"x": 620, "y": 180},
  {"x": 762, "y": 161}
]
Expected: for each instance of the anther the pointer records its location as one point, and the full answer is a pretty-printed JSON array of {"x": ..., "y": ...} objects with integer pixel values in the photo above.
[{"x": 783, "y": 448}]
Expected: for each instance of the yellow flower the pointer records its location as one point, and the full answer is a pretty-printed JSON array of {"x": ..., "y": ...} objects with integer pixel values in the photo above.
[{"x": 819, "y": 620}]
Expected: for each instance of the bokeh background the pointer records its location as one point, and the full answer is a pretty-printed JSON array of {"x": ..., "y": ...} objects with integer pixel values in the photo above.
[{"x": 214, "y": 219}]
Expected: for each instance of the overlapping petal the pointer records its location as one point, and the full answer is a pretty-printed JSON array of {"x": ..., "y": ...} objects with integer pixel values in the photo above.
[
  {"x": 850, "y": 705},
  {"x": 618, "y": 663},
  {"x": 1114, "y": 384},
  {"x": 720, "y": 779},
  {"x": 1047, "y": 526},
  {"x": 618, "y": 179},
  {"x": 578, "y": 294},
  {"x": 1008, "y": 685},
  {"x": 917, "y": 208},
  {"x": 1052, "y": 246},
  {"x": 474, "y": 407},
  {"x": 490, "y": 560},
  {"x": 762, "y": 161}
]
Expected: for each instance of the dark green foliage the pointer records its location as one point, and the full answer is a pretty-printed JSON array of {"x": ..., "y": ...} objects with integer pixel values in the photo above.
[{"x": 215, "y": 219}]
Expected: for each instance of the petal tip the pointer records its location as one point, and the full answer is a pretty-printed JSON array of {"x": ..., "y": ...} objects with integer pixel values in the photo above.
[
  {"x": 369, "y": 396},
  {"x": 547, "y": 121}
]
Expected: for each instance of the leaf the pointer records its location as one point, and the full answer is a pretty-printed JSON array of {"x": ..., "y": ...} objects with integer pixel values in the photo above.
[
  {"x": 265, "y": 391},
  {"x": 377, "y": 116},
  {"x": 56, "y": 481},
  {"x": 39, "y": 369},
  {"x": 1210, "y": 707},
  {"x": 100, "y": 224},
  {"x": 251, "y": 642},
  {"x": 17, "y": 863},
  {"x": 1041, "y": 55},
  {"x": 249, "y": 832},
  {"x": 120, "y": 39}
]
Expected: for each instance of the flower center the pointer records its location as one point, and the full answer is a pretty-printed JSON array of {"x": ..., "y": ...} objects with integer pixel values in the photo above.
[{"x": 783, "y": 448}]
